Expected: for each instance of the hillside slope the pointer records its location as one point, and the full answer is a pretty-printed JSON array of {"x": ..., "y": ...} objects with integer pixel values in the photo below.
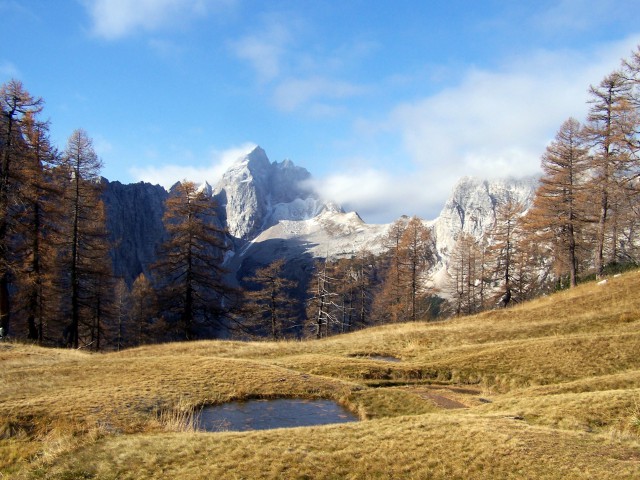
[{"x": 547, "y": 389}]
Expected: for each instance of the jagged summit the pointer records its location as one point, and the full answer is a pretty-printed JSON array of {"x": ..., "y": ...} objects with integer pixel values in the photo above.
[
  {"x": 205, "y": 188},
  {"x": 255, "y": 163},
  {"x": 255, "y": 194}
]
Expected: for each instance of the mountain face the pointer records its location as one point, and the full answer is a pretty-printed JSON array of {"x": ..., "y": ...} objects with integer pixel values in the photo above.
[
  {"x": 270, "y": 214},
  {"x": 471, "y": 208},
  {"x": 255, "y": 194},
  {"x": 134, "y": 223}
]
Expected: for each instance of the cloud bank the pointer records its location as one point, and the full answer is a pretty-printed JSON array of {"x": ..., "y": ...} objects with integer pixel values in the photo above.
[{"x": 168, "y": 174}]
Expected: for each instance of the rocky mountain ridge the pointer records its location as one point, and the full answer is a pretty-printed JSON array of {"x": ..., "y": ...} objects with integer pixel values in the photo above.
[
  {"x": 270, "y": 213},
  {"x": 471, "y": 208}
]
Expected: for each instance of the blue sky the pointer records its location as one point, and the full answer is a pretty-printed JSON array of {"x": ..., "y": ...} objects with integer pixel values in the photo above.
[{"x": 386, "y": 103}]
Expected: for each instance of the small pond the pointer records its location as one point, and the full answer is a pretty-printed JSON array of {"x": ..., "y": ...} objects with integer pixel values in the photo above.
[
  {"x": 267, "y": 414},
  {"x": 384, "y": 358}
]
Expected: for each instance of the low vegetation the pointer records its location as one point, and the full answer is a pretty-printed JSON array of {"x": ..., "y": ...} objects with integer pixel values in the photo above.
[{"x": 545, "y": 389}]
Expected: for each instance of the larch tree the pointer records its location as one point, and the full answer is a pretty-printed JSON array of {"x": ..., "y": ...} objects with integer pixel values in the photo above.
[
  {"x": 120, "y": 328},
  {"x": 15, "y": 104},
  {"x": 270, "y": 302},
  {"x": 612, "y": 124},
  {"x": 630, "y": 210},
  {"x": 193, "y": 295},
  {"x": 403, "y": 295},
  {"x": 39, "y": 221},
  {"x": 503, "y": 239},
  {"x": 99, "y": 283},
  {"x": 416, "y": 257},
  {"x": 389, "y": 304},
  {"x": 467, "y": 271},
  {"x": 321, "y": 300},
  {"x": 558, "y": 215},
  {"x": 85, "y": 259},
  {"x": 355, "y": 282},
  {"x": 347, "y": 286},
  {"x": 365, "y": 270},
  {"x": 143, "y": 311}
]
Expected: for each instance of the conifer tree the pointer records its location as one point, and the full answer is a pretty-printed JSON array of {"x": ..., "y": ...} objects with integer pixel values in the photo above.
[
  {"x": 270, "y": 303},
  {"x": 403, "y": 295},
  {"x": 504, "y": 237},
  {"x": 417, "y": 256},
  {"x": 389, "y": 305},
  {"x": 365, "y": 272},
  {"x": 466, "y": 284},
  {"x": 143, "y": 311},
  {"x": 193, "y": 295},
  {"x": 15, "y": 104},
  {"x": 354, "y": 287},
  {"x": 559, "y": 214},
  {"x": 38, "y": 223},
  {"x": 83, "y": 238},
  {"x": 612, "y": 124},
  {"x": 321, "y": 300},
  {"x": 99, "y": 283},
  {"x": 122, "y": 308}
]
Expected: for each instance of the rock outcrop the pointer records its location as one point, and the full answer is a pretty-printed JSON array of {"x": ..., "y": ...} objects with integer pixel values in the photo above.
[{"x": 134, "y": 224}]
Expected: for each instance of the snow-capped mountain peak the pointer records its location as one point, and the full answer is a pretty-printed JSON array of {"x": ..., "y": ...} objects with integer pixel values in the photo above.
[{"x": 255, "y": 194}]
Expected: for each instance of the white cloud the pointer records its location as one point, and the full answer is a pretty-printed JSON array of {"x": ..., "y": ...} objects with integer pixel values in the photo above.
[
  {"x": 298, "y": 80},
  {"x": 113, "y": 19},
  {"x": 168, "y": 174},
  {"x": 264, "y": 51},
  {"x": 381, "y": 196},
  {"x": 497, "y": 123},
  {"x": 492, "y": 124},
  {"x": 102, "y": 146}
]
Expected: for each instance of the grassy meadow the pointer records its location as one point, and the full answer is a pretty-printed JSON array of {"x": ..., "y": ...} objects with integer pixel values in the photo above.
[{"x": 546, "y": 389}]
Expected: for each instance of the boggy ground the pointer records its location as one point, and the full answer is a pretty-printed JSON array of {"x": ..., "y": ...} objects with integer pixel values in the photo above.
[{"x": 547, "y": 389}]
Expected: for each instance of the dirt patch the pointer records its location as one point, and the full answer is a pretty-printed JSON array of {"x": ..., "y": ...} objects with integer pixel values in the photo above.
[
  {"x": 449, "y": 397},
  {"x": 442, "y": 401}
]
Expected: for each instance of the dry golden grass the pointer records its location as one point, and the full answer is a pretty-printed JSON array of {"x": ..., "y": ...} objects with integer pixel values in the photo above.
[
  {"x": 551, "y": 390},
  {"x": 427, "y": 446}
]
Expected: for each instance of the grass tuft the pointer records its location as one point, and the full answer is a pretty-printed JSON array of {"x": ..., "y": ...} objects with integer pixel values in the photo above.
[{"x": 181, "y": 417}]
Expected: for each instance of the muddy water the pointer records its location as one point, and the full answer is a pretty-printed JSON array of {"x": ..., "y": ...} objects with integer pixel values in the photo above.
[{"x": 267, "y": 414}]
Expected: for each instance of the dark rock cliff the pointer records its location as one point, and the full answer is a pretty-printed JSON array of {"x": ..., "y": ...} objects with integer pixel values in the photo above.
[{"x": 134, "y": 222}]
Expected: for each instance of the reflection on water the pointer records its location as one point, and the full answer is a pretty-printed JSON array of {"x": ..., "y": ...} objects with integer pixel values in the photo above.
[
  {"x": 384, "y": 358},
  {"x": 266, "y": 414}
]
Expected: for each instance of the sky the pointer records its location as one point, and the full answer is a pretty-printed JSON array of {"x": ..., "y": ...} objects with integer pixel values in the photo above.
[{"x": 386, "y": 103}]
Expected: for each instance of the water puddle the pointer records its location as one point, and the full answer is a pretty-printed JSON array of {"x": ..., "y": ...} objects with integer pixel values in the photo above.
[
  {"x": 267, "y": 414},
  {"x": 384, "y": 358},
  {"x": 378, "y": 357}
]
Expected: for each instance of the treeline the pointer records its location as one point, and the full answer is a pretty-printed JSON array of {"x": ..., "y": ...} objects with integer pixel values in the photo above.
[{"x": 57, "y": 286}]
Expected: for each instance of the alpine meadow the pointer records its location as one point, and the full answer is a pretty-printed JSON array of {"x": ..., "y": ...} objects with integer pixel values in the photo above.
[{"x": 498, "y": 340}]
